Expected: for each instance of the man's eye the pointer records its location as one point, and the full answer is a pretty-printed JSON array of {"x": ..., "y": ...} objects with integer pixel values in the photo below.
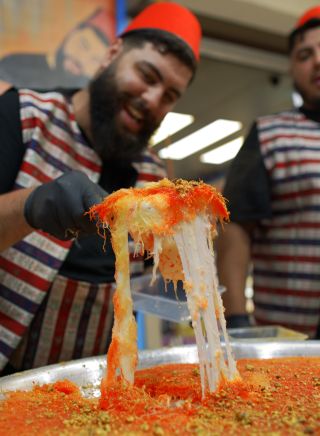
[
  {"x": 148, "y": 78},
  {"x": 303, "y": 55},
  {"x": 169, "y": 98}
]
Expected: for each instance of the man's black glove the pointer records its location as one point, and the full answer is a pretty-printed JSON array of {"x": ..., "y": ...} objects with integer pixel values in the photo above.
[{"x": 58, "y": 207}]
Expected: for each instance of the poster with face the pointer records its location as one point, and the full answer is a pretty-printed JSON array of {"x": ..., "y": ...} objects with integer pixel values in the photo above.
[{"x": 45, "y": 44}]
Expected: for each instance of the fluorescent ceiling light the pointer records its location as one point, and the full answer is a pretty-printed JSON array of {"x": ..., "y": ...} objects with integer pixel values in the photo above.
[
  {"x": 200, "y": 139},
  {"x": 172, "y": 123},
  {"x": 223, "y": 153}
]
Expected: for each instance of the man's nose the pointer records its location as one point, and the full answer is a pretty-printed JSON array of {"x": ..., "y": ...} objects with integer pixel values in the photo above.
[{"x": 152, "y": 98}]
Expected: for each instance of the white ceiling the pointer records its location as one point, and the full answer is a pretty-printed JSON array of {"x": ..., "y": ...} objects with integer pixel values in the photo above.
[
  {"x": 273, "y": 15},
  {"x": 236, "y": 81}
]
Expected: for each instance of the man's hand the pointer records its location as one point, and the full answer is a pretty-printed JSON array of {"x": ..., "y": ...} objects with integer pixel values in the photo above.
[{"x": 58, "y": 207}]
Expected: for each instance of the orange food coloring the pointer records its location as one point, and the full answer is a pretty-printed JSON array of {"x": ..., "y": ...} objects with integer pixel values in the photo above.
[{"x": 275, "y": 396}]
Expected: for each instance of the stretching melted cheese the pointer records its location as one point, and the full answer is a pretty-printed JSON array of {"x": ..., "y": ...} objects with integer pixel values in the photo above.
[{"x": 176, "y": 223}]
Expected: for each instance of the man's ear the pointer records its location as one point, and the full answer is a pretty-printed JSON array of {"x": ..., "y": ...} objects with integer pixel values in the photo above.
[{"x": 112, "y": 52}]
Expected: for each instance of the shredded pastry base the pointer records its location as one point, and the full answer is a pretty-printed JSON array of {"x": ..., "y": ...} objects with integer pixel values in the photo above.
[{"x": 275, "y": 397}]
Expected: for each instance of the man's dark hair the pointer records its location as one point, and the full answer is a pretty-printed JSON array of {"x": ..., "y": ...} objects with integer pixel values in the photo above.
[
  {"x": 300, "y": 31},
  {"x": 165, "y": 42}
]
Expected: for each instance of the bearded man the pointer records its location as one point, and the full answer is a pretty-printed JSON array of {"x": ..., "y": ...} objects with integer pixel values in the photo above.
[
  {"x": 273, "y": 190},
  {"x": 59, "y": 154}
]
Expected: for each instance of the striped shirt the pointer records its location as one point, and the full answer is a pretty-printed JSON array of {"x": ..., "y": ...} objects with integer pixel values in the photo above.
[
  {"x": 57, "y": 317},
  {"x": 275, "y": 182}
]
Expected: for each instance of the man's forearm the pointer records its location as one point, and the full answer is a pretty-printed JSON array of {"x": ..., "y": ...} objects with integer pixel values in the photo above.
[
  {"x": 13, "y": 226},
  {"x": 233, "y": 259}
]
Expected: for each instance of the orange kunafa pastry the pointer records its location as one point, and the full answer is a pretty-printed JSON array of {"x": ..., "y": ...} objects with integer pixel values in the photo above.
[{"x": 175, "y": 222}]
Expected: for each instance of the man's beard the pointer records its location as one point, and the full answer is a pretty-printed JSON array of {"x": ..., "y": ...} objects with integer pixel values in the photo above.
[
  {"x": 308, "y": 102},
  {"x": 111, "y": 141}
]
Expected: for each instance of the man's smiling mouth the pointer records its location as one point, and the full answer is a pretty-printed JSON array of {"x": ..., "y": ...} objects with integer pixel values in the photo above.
[{"x": 135, "y": 113}]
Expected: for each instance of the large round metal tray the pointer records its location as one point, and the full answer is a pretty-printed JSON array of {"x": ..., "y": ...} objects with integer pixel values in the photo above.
[{"x": 87, "y": 373}]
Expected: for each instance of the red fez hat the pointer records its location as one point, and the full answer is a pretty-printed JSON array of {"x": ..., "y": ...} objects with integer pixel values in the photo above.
[
  {"x": 172, "y": 18},
  {"x": 310, "y": 14}
]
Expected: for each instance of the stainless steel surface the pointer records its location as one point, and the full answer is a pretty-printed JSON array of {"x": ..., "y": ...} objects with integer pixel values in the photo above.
[
  {"x": 161, "y": 300},
  {"x": 265, "y": 333},
  {"x": 158, "y": 299},
  {"x": 88, "y": 372}
]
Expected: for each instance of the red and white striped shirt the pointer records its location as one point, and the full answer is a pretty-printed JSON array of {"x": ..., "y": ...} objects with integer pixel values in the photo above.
[{"x": 287, "y": 246}]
